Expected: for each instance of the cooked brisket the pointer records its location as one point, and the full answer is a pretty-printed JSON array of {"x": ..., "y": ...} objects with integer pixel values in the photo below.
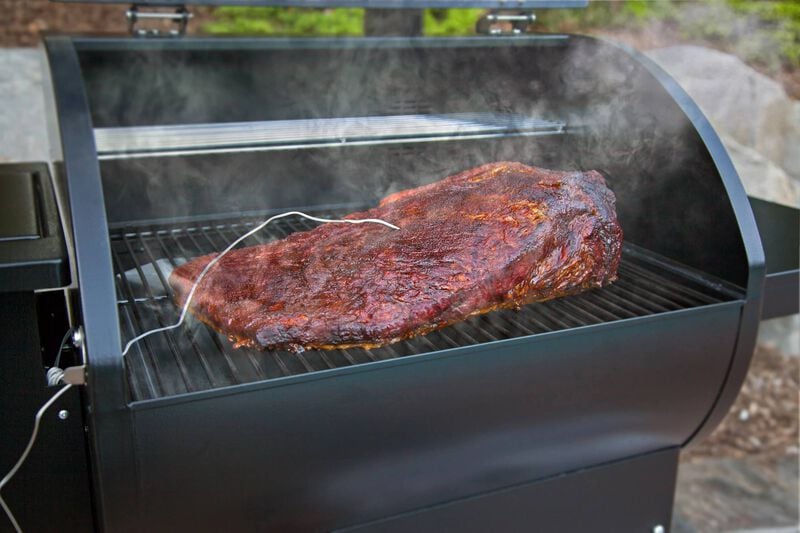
[{"x": 497, "y": 236}]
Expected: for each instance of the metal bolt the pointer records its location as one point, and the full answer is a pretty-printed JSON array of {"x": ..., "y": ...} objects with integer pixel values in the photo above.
[
  {"x": 63, "y": 414},
  {"x": 659, "y": 529},
  {"x": 77, "y": 338}
]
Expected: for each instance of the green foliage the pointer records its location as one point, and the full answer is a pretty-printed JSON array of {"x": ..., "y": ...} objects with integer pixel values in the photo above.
[
  {"x": 764, "y": 32},
  {"x": 327, "y": 22},
  {"x": 439, "y": 22},
  {"x": 290, "y": 21},
  {"x": 782, "y": 20},
  {"x": 609, "y": 15}
]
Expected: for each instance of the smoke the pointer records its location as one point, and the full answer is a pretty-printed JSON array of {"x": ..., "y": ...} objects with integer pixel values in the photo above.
[
  {"x": 670, "y": 198},
  {"x": 619, "y": 120}
]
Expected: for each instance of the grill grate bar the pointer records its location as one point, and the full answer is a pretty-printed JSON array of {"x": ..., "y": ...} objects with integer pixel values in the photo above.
[
  {"x": 557, "y": 312},
  {"x": 526, "y": 330},
  {"x": 182, "y": 252},
  {"x": 210, "y": 373},
  {"x": 613, "y": 295},
  {"x": 349, "y": 357},
  {"x": 576, "y": 311},
  {"x": 427, "y": 342},
  {"x": 305, "y": 363},
  {"x": 281, "y": 365},
  {"x": 496, "y": 325},
  {"x": 612, "y": 307},
  {"x": 326, "y": 359},
  {"x": 141, "y": 326},
  {"x": 479, "y": 332},
  {"x": 658, "y": 283},
  {"x": 138, "y": 371},
  {"x": 195, "y": 357},
  {"x": 588, "y": 305},
  {"x": 231, "y": 366},
  {"x": 620, "y": 287},
  {"x": 164, "y": 320},
  {"x": 389, "y": 351}
]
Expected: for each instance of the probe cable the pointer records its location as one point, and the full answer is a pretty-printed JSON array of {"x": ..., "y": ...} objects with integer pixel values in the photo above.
[
  {"x": 230, "y": 247},
  {"x": 54, "y": 380},
  {"x": 209, "y": 266},
  {"x": 67, "y": 335},
  {"x": 25, "y": 453}
]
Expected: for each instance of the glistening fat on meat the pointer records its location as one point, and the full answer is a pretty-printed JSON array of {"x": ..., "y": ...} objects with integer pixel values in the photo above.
[{"x": 501, "y": 235}]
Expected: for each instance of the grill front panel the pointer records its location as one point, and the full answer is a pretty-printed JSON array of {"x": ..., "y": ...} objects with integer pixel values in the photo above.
[{"x": 194, "y": 357}]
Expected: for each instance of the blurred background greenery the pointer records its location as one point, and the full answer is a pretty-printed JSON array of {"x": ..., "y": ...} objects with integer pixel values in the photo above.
[{"x": 765, "y": 33}]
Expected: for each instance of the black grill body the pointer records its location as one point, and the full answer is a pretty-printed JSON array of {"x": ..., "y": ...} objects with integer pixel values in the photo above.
[{"x": 458, "y": 429}]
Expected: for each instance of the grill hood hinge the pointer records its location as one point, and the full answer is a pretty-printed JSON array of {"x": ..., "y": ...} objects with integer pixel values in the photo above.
[
  {"x": 180, "y": 17},
  {"x": 505, "y": 22}
]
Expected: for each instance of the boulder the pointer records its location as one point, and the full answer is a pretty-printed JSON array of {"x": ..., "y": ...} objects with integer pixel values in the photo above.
[
  {"x": 740, "y": 102},
  {"x": 761, "y": 177},
  {"x": 23, "y": 136}
]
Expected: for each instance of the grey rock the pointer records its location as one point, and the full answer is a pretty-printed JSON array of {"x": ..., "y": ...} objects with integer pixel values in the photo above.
[
  {"x": 730, "y": 494},
  {"x": 790, "y": 529},
  {"x": 741, "y": 103},
  {"x": 791, "y": 156},
  {"x": 761, "y": 177},
  {"x": 782, "y": 334},
  {"x": 23, "y": 136}
]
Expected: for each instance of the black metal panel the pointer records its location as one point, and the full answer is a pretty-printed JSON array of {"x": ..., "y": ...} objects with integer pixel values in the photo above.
[
  {"x": 371, "y": 4},
  {"x": 51, "y": 490},
  {"x": 748, "y": 243},
  {"x": 631, "y": 495},
  {"x": 344, "y": 446},
  {"x": 110, "y": 428},
  {"x": 779, "y": 227},
  {"x": 781, "y": 295},
  {"x": 32, "y": 250}
]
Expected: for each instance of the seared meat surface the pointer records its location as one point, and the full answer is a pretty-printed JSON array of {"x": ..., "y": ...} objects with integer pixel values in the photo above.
[{"x": 497, "y": 236}]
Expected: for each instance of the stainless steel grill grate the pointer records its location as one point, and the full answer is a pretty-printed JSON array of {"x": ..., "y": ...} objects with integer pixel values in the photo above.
[{"x": 194, "y": 357}]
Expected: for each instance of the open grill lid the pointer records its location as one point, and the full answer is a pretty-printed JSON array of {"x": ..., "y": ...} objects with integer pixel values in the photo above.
[{"x": 372, "y": 4}]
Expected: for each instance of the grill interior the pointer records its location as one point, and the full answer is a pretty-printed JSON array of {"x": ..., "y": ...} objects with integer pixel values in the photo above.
[{"x": 194, "y": 358}]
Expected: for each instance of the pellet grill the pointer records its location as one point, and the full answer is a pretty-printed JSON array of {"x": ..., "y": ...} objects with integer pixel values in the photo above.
[{"x": 564, "y": 416}]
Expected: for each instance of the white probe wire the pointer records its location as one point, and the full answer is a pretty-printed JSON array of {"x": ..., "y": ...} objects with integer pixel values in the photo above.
[
  {"x": 214, "y": 261},
  {"x": 25, "y": 453},
  {"x": 209, "y": 266}
]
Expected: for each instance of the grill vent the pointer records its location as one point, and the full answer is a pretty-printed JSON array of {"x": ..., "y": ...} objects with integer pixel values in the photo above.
[{"x": 194, "y": 358}]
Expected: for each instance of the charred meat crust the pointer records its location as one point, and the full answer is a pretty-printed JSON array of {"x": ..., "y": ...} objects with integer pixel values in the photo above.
[{"x": 501, "y": 235}]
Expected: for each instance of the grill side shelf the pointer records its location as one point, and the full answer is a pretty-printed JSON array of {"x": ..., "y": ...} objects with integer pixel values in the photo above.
[
  {"x": 779, "y": 228},
  {"x": 196, "y": 358}
]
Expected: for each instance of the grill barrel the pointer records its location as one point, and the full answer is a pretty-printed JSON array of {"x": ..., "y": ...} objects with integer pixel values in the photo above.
[
  {"x": 196, "y": 435},
  {"x": 196, "y": 358}
]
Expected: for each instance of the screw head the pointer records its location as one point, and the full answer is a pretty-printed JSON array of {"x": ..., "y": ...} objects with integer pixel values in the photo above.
[
  {"x": 77, "y": 338},
  {"x": 63, "y": 414},
  {"x": 659, "y": 529}
]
